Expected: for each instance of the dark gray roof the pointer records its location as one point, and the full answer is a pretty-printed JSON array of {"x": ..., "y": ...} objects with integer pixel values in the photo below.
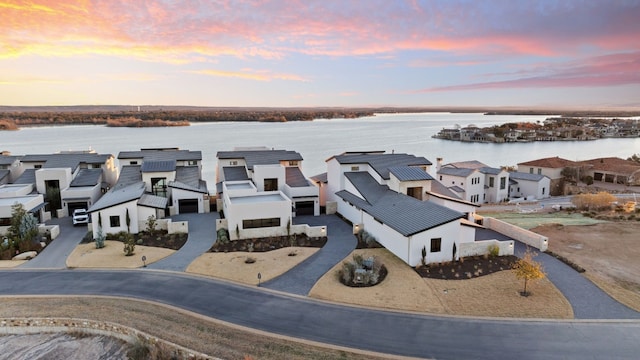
[
  {"x": 27, "y": 177},
  {"x": 438, "y": 188},
  {"x": 457, "y": 189},
  {"x": 455, "y": 171},
  {"x": 402, "y": 213},
  {"x": 161, "y": 154},
  {"x": 260, "y": 157},
  {"x": 4, "y": 173},
  {"x": 409, "y": 173},
  {"x": 87, "y": 177},
  {"x": 525, "y": 176},
  {"x": 512, "y": 182},
  {"x": 235, "y": 173},
  {"x": 129, "y": 174},
  {"x": 119, "y": 195},
  {"x": 153, "y": 201},
  {"x": 490, "y": 170},
  {"x": 7, "y": 159},
  {"x": 158, "y": 165},
  {"x": 295, "y": 178},
  {"x": 188, "y": 178},
  {"x": 322, "y": 178},
  {"x": 382, "y": 162},
  {"x": 66, "y": 160},
  {"x": 472, "y": 164}
]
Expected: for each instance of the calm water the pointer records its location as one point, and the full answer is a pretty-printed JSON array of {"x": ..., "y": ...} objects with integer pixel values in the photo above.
[{"x": 317, "y": 140}]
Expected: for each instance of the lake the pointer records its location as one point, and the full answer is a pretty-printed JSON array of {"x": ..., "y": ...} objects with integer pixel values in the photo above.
[{"x": 316, "y": 140}]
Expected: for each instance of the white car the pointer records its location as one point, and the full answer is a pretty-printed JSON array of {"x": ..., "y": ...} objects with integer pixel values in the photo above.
[{"x": 80, "y": 216}]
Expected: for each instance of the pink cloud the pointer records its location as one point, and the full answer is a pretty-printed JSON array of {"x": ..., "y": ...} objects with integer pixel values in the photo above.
[
  {"x": 250, "y": 74},
  {"x": 608, "y": 70}
]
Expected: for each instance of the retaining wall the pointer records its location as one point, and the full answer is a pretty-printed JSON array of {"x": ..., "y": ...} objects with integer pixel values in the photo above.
[
  {"x": 515, "y": 232},
  {"x": 482, "y": 247}
]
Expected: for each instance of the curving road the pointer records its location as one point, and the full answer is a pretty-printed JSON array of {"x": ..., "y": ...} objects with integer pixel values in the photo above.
[{"x": 388, "y": 332}]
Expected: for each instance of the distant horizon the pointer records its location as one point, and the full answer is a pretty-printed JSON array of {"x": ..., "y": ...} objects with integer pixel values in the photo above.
[{"x": 352, "y": 54}]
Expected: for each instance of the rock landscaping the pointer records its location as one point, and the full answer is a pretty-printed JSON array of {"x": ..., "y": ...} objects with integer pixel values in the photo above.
[{"x": 467, "y": 268}]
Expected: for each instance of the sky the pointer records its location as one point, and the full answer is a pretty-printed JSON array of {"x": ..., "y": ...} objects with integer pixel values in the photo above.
[{"x": 306, "y": 53}]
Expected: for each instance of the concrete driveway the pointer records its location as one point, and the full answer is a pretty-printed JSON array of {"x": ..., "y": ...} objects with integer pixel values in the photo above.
[{"x": 54, "y": 255}]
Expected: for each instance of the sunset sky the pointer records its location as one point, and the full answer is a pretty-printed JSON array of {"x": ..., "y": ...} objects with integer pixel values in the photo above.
[{"x": 320, "y": 53}]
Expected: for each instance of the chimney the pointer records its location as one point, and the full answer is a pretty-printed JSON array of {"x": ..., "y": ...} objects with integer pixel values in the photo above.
[{"x": 438, "y": 164}]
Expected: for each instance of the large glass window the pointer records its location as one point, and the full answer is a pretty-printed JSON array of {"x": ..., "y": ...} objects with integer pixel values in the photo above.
[
  {"x": 503, "y": 183},
  {"x": 270, "y": 184},
  {"x": 260, "y": 223},
  {"x": 159, "y": 186}
]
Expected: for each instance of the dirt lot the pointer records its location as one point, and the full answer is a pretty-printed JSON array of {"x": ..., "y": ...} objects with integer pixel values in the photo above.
[{"x": 610, "y": 253}]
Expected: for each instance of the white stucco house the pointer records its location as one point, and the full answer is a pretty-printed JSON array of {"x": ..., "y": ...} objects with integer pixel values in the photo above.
[
  {"x": 23, "y": 194},
  {"x": 474, "y": 181},
  {"x": 393, "y": 198},
  {"x": 528, "y": 186},
  {"x": 261, "y": 189},
  {"x": 68, "y": 180},
  {"x": 152, "y": 182},
  {"x": 550, "y": 167}
]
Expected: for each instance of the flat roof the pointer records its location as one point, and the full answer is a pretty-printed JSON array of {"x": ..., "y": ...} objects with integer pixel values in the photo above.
[
  {"x": 257, "y": 198},
  {"x": 242, "y": 186}
]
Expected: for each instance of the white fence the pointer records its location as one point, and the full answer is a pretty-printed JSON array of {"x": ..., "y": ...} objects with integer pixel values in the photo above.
[
  {"x": 482, "y": 247},
  {"x": 528, "y": 237}
]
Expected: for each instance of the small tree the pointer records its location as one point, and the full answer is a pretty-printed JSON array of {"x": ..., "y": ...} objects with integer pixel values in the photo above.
[
  {"x": 23, "y": 228},
  {"x": 424, "y": 256},
  {"x": 528, "y": 269},
  {"x": 151, "y": 225},
  {"x": 129, "y": 245},
  {"x": 128, "y": 220},
  {"x": 100, "y": 238}
]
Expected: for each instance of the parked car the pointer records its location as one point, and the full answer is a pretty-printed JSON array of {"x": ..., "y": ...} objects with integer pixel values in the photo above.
[{"x": 80, "y": 216}]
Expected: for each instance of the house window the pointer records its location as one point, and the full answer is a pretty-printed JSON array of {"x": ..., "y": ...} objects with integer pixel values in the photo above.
[
  {"x": 484, "y": 197},
  {"x": 293, "y": 163},
  {"x": 114, "y": 221},
  {"x": 233, "y": 163},
  {"x": 461, "y": 184},
  {"x": 159, "y": 186},
  {"x": 519, "y": 190},
  {"x": 543, "y": 189},
  {"x": 192, "y": 162},
  {"x": 436, "y": 244},
  {"x": 503, "y": 183},
  {"x": 133, "y": 162},
  {"x": 271, "y": 184},
  {"x": 260, "y": 223},
  {"x": 355, "y": 168},
  {"x": 37, "y": 166},
  {"x": 440, "y": 177},
  {"x": 530, "y": 170},
  {"x": 539, "y": 171},
  {"x": 491, "y": 181}
]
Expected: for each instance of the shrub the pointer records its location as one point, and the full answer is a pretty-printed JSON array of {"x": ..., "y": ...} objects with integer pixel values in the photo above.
[
  {"x": 129, "y": 245},
  {"x": 599, "y": 201},
  {"x": 223, "y": 236},
  {"x": 100, "y": 239},
  {"x": 494, "y": 250},
  {"x": 347, "y": 274},
  {"x": 151, "y": 224},
  {"x": 249, "y": 260}
]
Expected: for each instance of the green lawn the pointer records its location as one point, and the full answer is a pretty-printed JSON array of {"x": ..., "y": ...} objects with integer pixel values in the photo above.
[{"x": 531, "y": 220}]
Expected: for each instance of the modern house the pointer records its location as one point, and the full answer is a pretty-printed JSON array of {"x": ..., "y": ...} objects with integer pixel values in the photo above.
[
  {"x": 393, "y": 198},
  {"x": 23, "y": 194},
  {"x": 152, "y": 182},
  {"x": 474, "y": 181},
  {"x": 9, "y": 166},
  {"x": 68, "y": 180},
  {"x": 528, "y": 186},
  {"x": 550, "y": 167},
  {"x": 261, "y": 189}
]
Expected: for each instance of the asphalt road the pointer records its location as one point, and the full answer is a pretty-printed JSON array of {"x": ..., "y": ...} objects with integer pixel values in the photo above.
[{"x": 388, "y": 332}]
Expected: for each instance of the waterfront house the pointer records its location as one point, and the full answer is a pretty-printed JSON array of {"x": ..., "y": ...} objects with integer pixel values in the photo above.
[
  {"x": 394, "y": 199},
  {"x": 528, "y": 186},
  {"x": 261, "y": 189},
  {"x": 68, "y": 180},
  {"x": 23, "y": 194},
  {"x": 550, "y": 167},
  {"x": 474, "y": 181},
  {"x": 612, "y": 170}
]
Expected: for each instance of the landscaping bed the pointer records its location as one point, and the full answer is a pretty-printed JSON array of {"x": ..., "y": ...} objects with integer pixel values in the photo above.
[
  {"x": 268, "y": 243},
  {"x": 160, "y": 239},
  {"x": 467, "y": 268}
]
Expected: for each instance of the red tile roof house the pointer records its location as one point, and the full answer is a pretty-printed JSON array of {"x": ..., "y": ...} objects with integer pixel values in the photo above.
[
  {"x": 613, "y": 170},
  {"x": 552, "y": 168}
]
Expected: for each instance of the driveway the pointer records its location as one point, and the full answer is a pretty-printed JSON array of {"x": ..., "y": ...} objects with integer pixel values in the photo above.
[
  {"x": 587, "y": 300},
  {"x": 340, "y": 243},
  {"x": 54, "y": 255},
  {"x": 391, "y": 332},
  {"x": 202, "y": 235}
]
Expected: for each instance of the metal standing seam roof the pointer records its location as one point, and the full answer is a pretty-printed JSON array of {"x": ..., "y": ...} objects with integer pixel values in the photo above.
[
  {"x": 409, "y": 173},
  {"x": 67, "y": 160},
  {"x": 4, "y": 173},
  {"x": 160, "y": 155},
  {"x": 455, "y": 171},
  {"x": 382, "y": 162},
  {"x": 87, "y": 177},
  {"x": 129, "y": 174},
  {"x": 457, "y": 189},
  {"x": 190, "y": 176},
  {"x": 235, "y": 173},
  {"x": 404, "y": 214},
  {"x": 153, "y": 201},
  {"x": 158, "y": 165},
  {"x": 260, "y": 157},
  {"x": 490, "y": 170},
  {"x": 321, "y": 178},
  {"x": 295, "y": 178},
  {"x": 8, "y": 159},
  {"x": 27, "y": 177},
  {"x": 119, "y": 196},
  {"x": 525, "y": 176},
  {"x": 472, "y": 164}
]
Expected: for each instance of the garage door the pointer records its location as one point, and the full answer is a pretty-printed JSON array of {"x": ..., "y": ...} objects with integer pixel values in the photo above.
[
  {"x": 76, "y": 205},
  {"x": 188, "y": 206},
  {"x": 304, "y": 208}
]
